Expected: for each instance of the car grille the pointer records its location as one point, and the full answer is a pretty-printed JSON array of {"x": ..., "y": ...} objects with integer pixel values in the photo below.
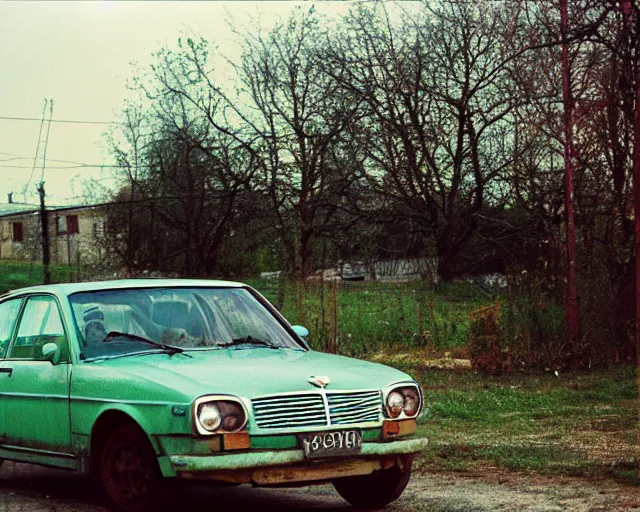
[
  {"x": 308, "y": 409},
  {"x": 360, "y": 407}
]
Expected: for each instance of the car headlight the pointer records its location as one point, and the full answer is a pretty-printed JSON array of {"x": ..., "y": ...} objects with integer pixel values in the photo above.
[
  {"x": 219, "y": 414},
  {"x": 395, "y": 404},
  {"x": 412, "y": 401},
  {"x": 209, "y": 416},
  {"x": 403, "y": 402}
]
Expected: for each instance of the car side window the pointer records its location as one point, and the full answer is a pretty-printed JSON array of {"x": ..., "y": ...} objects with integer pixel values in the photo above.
[
  {"x": 40, "y": 324},
  {"x": 8, "y": 316}
]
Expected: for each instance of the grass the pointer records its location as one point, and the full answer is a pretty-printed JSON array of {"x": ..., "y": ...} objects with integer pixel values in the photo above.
[
  {"x": 20, "y": 274},
  {"x": 572, "y": 424},
  {"x": 380, "y": 316}
]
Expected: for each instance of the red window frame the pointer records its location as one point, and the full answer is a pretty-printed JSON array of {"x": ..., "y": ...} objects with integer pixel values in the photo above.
[
  {"x": 71, "y": 225},
  {"x": 17, "y": 232}
]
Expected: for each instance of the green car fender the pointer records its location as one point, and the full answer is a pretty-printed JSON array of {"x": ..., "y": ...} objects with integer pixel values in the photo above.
[
  {"x": 117, "y": 410},
  {"x": 95, "y": 424},
  {"x": 94, "y": 419},
  {"x": 102, "y": 398}
]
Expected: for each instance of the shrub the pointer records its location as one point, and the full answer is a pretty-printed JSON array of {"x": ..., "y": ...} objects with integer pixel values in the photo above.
[
  {"x": 526, "y": 330},
  {"x": 488, "y": 355}
]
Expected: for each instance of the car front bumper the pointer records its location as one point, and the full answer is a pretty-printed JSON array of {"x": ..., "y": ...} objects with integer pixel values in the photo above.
[{"x": 277, "y": 467}]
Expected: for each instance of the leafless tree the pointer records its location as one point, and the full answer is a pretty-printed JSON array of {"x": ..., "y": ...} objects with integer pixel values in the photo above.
[
  {"x": 439, "y": 109},
  {"x": 300, "y": 114},
  {"x": 184, "y": 164}
]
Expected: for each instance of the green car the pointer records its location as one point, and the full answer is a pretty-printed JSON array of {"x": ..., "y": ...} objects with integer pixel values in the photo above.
[{"x": 138, "y": 381}]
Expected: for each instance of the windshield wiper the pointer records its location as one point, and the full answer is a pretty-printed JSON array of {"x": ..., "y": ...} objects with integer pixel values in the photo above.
[
  {"x": 134, "y": 337},
  {"x": 249, "y": 340},
  {"x": 86, "y": 359}
]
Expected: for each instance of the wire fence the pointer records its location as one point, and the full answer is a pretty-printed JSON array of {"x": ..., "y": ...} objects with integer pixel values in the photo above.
[
  {"x": 365, "y": 317},
  {"x": 343, "y": 317}
]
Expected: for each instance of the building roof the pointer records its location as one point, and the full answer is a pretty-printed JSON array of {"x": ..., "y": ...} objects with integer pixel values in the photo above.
[
  {"x": 17, "y": 208},
  {"x": 123, "y": 284},
  {"x": 8, "y": 209},
  {"x": 77, "y": 207}
]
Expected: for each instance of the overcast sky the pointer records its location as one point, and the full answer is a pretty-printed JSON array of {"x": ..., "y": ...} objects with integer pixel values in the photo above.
[{"x": 79, "y": 54}]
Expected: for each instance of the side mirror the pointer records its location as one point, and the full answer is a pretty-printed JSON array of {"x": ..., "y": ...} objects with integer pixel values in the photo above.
[
  {"x": 51, "y": 352},
  {"x": 303, "y": 332}
]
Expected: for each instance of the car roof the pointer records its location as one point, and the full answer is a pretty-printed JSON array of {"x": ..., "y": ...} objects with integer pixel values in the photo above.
[{"x": 121, "y": 284}]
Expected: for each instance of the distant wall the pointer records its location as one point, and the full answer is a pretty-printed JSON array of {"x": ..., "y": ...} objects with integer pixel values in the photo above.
[
  {"x": 387, "y": 270},
  {"x": 82, "y": 247},
  {"x": 406, "y": 269},
  {"x": 65, "y": 248},
  {"x": 28, "y": 248}
]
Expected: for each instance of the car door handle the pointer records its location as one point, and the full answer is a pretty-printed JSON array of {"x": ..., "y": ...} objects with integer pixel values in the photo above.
[{"x": 7, "y": 370}]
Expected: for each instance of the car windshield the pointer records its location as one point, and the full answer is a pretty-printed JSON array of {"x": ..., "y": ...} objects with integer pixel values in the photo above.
[{"x": 123, "y": 322}]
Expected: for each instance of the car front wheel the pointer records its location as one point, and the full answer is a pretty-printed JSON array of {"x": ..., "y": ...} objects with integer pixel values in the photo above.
[
  {"x": 129, "y": 473},
  {"x": 377, "y": 490}
]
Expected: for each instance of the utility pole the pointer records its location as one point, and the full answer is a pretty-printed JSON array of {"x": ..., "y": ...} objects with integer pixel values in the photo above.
[
  {"x": 44, "y": 223},
  {"x": 573, "y": 314},
  {"x": 44, "y": 220}
]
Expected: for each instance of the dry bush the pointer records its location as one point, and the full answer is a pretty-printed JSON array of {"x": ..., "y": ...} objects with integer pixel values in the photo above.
[{"x": 526, "y": 330}]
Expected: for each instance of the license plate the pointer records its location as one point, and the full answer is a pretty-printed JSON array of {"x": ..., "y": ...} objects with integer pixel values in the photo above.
[{"x": 331, "y": 444}]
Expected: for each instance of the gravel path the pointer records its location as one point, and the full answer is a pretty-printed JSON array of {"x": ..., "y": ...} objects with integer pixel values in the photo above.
[{"x": 30, "y": 488}]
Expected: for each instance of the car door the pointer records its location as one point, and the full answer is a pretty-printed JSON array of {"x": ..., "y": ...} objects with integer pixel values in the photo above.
[
  {"x": 9, "y": 310},
  {"x": 36, "y": 395}
]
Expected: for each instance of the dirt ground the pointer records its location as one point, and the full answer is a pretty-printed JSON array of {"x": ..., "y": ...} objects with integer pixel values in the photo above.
[
  {"x": 29, "y": 488},
  {"x": 499, "y": 490}
]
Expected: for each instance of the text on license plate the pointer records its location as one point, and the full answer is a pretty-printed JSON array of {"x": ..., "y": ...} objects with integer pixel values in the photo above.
[{"x": 327, "y": 444}]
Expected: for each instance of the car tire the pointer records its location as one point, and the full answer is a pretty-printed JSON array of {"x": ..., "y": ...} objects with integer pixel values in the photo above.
[
  {"x": 128, "y": 474},
  {"x": 374, "y": 491}
]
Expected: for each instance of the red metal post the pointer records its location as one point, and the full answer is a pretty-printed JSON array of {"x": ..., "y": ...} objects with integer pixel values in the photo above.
[
  {"x": 636, "y": 214},
  {"x": 573, "y": 315},
  {"x": 626, "y": 9}
]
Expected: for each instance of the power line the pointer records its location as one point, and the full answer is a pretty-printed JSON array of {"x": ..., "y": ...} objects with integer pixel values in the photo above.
[
  {"x": 48, "y": 160},
  {"x": 24, "y": 157},
  {"x": 7, "y": 118},
  {"x": 81, "y": 166},
  {"x": 141, "y": 201}
]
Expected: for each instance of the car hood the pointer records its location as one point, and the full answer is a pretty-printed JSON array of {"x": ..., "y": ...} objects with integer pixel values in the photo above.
[{"x": 255, "y": 372}]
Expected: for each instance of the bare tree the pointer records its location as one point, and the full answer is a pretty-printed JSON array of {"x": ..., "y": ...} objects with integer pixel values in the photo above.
[
  {"x": 185, "y": 163},
  {"x": 437, "y": 131},
  {"x": 300, "y": 113}
]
